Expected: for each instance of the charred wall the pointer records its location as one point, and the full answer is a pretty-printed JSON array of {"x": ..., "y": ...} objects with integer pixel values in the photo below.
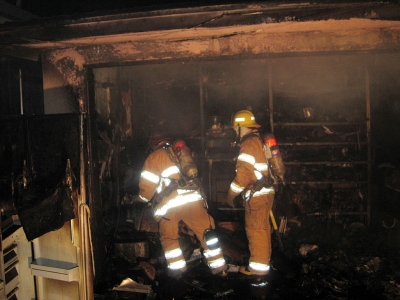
[{"x": 21, "y": 89}]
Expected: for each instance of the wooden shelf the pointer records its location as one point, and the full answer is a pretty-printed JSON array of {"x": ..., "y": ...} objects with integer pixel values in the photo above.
[
  {"x": 2, "y": 290},
  {"x": 9, "y": 222},
  {"x": 320, "y": 143},
  {"x": 318, "y": 123},
  {"x": 326, "y": 182},
  {"x": 339, "y": 213},
  {"x": 11, "y": 277},
  {"x": 55, "y": 269},
  {"x": 327, "y": 162}
]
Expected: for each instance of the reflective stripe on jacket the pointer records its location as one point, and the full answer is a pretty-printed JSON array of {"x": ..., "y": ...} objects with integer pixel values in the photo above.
[
  {"x": 251, "y": 165},
  {"x": 159, "y": 171}
]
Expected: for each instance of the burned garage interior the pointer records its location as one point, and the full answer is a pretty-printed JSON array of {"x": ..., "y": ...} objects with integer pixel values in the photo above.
[{"x": 82, "y": 96}]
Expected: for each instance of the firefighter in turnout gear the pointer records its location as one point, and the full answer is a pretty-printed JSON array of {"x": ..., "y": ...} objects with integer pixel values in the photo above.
[
  {"x": 174, "y": 200},
  {"x": 253, "y": 182}
]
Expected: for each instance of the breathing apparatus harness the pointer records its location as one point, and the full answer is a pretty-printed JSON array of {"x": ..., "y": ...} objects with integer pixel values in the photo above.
[
  {"x": 182, "y": 182},
  {"x": 180, "y": 155},
  {"x": 264, "y": 181},
  {"x": 185, "y": 164}
]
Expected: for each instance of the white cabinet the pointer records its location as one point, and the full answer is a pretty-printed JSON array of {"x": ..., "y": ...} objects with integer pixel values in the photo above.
[
  {"x": 16, "y": 256},
  {"x": 48, "y": 276}
]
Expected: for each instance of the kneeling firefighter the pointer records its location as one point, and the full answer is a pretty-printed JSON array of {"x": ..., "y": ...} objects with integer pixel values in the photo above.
[
  {"x": 254, "y": 182},
  {"x": 169, "y": 182}
]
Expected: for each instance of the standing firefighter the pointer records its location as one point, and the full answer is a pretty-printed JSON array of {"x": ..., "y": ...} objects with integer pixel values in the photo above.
[
  {"x": 176, "y": 196},
  {"x": 252, "y": 180}
]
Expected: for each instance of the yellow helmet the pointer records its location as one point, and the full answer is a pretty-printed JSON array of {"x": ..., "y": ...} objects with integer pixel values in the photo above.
[{"x": 244, "y": 118}]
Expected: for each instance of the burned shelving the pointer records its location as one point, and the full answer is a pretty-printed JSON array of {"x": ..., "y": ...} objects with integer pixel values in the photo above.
[{"x": 322, "y": 126}]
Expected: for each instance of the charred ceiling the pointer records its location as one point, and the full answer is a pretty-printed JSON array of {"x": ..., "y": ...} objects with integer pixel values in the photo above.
[{"x": 30, "y": 39}]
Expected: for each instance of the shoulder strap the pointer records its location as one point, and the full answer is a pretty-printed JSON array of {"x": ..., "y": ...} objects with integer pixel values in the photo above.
[
  {"x": 251, "y": 134},
  {"x": 167, "y": 147}
]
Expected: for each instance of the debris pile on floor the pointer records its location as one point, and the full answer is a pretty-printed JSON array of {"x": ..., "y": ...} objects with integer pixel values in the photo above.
[
  {"x": 326, "y": 261},
  {"x": 320, "y": 260}
]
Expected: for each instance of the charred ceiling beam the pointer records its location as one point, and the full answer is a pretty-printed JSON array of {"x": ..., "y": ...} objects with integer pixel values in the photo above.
[
  {"x": 59, "y": 30},
  {"x": 326, "y": 36},
  {"x": 26, "y": 39}
]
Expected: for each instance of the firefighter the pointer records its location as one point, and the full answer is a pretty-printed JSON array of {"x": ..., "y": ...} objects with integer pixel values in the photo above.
[
  {"x": 253, "y": 182},
  {"x": 161, "y": 185}
]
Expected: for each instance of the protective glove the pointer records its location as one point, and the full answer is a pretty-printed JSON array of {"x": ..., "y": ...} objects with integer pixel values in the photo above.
[
  {"x": 136, "y": 199},
  {"x": 230, "y": 199},
  {"x": 247, "y": 194}
]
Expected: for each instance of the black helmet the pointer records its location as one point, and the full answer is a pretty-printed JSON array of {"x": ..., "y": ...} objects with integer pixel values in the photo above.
[{"x": 159, "y": 138}]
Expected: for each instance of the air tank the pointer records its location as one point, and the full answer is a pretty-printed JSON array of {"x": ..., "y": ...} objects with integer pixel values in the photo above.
[
  {"x": 185, "y": 159},
  {"x": 274, "y": 157}
]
